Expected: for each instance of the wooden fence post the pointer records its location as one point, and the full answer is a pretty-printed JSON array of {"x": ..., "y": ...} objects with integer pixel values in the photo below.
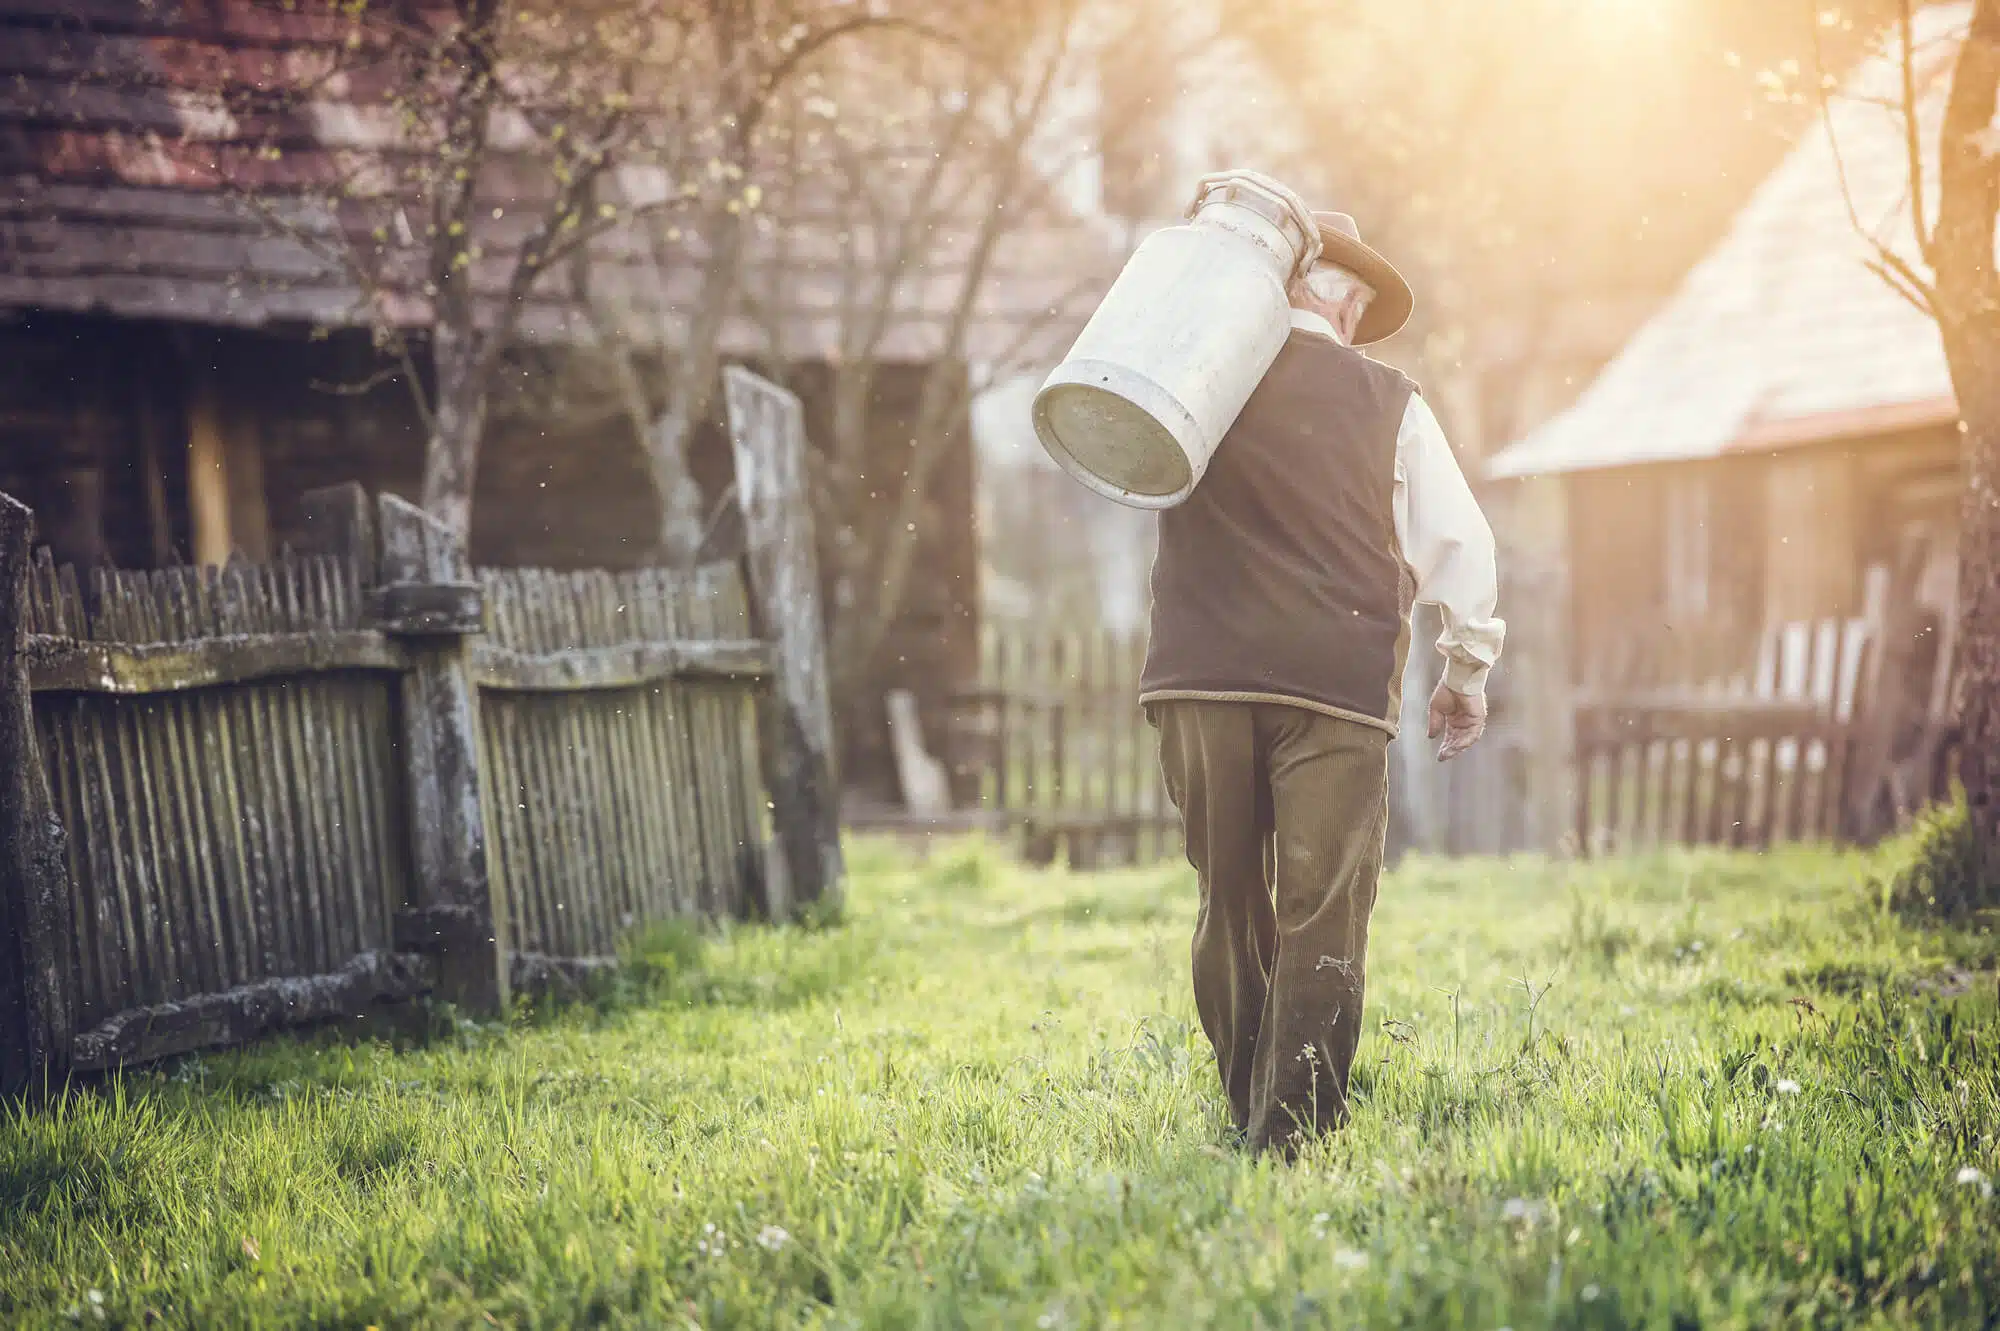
[
  {"x": 767, "y": 432},
  {"x": 35, "y": 973},
  {"x": 339, "y": 520},
  {"x": 427, "y": 597}
]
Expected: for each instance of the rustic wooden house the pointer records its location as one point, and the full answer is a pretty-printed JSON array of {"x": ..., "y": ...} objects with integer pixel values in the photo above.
[
  {"x": 1778, "y": 444},
  {"x": 175, "y": 372}
]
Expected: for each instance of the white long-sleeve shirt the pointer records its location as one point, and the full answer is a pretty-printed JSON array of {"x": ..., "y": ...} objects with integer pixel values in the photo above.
[{"x": 1446, "y": 541}]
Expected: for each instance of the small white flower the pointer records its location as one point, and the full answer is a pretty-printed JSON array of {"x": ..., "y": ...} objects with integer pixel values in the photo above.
[
  {"x": 771, "y": 1238},
  {"x": 1970, "y": 1177},
  {"x": 1325, "y": 1216},
  {"x": 1522, "y": 1210},
  {"x": 1590, "y": 1293},
  {"x": 1347, "y": 1259},
  {"x": 1786, "y": 1086}
]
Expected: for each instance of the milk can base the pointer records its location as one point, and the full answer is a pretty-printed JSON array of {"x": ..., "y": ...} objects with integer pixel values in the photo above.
[{"x": 1112, "y": 444}]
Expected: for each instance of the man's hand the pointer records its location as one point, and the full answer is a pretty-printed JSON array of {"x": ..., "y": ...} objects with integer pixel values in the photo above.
[{"x": 1458, "y": 718}]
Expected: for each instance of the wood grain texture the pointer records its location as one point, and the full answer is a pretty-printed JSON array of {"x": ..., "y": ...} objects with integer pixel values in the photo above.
[
  {"x": 276, "y": 810},
  {"x": 60, "y": 665},
  {"x": 219, "y": 745},
  {"x": 237, "y": 1015},
  {"x": 36, "y": 977},
  {"x": 767, "y": 435},
  {"x": 441, "y": 749},
  {"x": 616, "y": 791}
]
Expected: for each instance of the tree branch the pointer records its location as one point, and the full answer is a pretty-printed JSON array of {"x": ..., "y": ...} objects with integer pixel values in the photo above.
[
  {"x": 1912, "y": 147},
  {"x": 1887, "y": 264},
  {"x": 1920, "y": 297}
]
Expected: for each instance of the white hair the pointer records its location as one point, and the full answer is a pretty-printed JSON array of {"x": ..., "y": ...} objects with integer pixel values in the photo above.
[{"x": 1333, "y": 284}]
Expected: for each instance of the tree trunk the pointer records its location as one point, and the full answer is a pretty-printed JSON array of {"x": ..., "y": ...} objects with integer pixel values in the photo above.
[
  {"x": 691, "y": 383},
  {"x": 681, "y": 529},
  {"x": 664, "y": 439},
  {"x": 1968, "y": 309},
  {"x": 451, "y": 457},
  {"x": 1974, "y": 351}
]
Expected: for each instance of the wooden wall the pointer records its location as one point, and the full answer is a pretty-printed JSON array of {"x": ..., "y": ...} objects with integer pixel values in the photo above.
[
  {"x": 97, "y": 416},
  {"x": 1788, "y": 535},
  {"x": 1719, "y": 547},
  {"x": 1617, "y": 536},
  {"x": 1812, "y": 551},
  {"x": 83, "y": 404}
]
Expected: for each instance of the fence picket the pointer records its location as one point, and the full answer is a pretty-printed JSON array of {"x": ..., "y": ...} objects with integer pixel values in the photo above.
[{"x": 1065, "y": 752}]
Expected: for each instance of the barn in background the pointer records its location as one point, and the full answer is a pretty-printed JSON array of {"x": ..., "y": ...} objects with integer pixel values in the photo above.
[
  {"x": 175, "y": 373},
  {"x": 1777, "y": 446}
]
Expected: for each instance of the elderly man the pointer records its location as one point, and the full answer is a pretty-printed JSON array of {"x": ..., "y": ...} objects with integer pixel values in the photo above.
[{"x": 1281, "y": 622}]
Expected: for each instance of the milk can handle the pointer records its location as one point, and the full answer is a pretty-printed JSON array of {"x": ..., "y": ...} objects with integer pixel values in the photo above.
[{"x": 1275, "y": 202}]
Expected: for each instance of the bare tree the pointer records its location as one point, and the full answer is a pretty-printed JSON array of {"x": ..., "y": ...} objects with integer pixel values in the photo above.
[
  {"x": 478, "y": 144},
  {"x": 1952, "y": 278},
  {"x": 927, "y": 229},
  {"x": 470, "y": 139},
  {"x": 753, "y": 55}
]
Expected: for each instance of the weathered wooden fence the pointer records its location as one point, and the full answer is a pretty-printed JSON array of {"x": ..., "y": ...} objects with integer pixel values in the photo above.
[
  {"x": 220, "y": 746},
  {"x": 1713, "y": 744},
  {"x": 1055, "y": 747},
  {"x": 243, "y": 797},
  {"x": 619, "y": 756},
  {"x": 291, "y": 788}
]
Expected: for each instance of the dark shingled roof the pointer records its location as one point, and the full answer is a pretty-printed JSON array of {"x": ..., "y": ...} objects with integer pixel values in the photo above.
[{"x": 125, "y": 176}]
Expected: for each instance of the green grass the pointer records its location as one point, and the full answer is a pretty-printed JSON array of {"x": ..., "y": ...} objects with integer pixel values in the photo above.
[{"x": 1688, "y": 1091}]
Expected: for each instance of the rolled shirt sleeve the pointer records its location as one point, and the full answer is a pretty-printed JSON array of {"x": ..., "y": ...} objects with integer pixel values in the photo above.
[{"x": 1448, "y": 546}]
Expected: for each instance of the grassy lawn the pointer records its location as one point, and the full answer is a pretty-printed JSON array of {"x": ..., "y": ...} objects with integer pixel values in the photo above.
[{"x": 1695, "y": 1091}]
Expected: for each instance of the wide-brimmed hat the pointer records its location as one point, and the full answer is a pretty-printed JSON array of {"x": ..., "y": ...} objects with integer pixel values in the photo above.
[{"x": 1340, "y": 245}]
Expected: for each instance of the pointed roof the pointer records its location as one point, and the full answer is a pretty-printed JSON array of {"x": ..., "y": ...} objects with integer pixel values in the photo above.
[{"x": 1782, "y": 335}]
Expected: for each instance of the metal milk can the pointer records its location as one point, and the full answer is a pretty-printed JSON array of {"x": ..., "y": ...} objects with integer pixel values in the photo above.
[{"x": 1179, "y": 343}]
